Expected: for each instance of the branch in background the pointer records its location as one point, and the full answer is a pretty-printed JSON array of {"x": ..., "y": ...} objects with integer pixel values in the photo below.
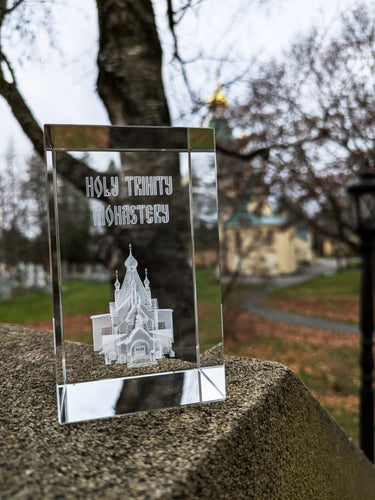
[
  {"x": 172, "y": 24},
  {"x": 22, "y": 113},
  {"x": 73, "y": 170},
  {"x": 4, "y": 10},
  {"x": 14, "y": 6},
  {"x": 265, "y": 151}
]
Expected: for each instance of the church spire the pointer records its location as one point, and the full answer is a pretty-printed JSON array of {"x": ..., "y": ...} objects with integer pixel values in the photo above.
[
  {"x": 133, "y": 290},
  {"x": 146, "y": 281},
  {"x": 217, "y": 116},
  {"x": 117, "y": 287},
  {"x": 147, "y": 286},
  {"x": 117, "y": 283}
]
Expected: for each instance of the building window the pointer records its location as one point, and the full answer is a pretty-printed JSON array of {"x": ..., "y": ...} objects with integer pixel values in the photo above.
[
  {"x": 270, "y": 237},
  {"x": 238, "y": 241},
  {"x": 161, "y": 325}
]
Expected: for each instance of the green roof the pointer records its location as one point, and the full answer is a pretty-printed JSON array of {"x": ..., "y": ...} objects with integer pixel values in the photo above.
[{"x": 249, "y": 219}]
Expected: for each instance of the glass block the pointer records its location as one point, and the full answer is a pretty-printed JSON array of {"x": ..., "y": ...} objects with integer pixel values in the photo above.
[{"x": 135, "y": 268}]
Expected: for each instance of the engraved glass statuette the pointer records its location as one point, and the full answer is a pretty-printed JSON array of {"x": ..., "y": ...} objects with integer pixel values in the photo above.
[
  {"x": 135, "y": 268},
  {"x": 135, "y": 331}
]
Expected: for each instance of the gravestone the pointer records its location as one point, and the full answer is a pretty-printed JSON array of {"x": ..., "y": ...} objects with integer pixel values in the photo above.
[
  {"x": 5, "y": 286},
  {"x": 88, "y": 273},
  {"x": 40, "y": 277},
  {"x": 101, "y": 273},
  {"x": 29, "y": 276}
]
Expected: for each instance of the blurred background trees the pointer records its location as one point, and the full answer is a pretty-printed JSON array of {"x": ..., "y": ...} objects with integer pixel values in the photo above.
[
  {"x": 302, "y": 123},
  {"x": 308, "y": 125}
]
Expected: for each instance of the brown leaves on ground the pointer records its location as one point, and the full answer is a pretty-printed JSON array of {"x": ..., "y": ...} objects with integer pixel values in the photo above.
[
  {"x": 326, "y": 361},
  {"x": 42, "y": 325},
  {"x": 295, "y": 346},
  {"x": 242, "y": 329},
  {"x": 76, "y": 323},
  {"x": 340, "y": 310}
]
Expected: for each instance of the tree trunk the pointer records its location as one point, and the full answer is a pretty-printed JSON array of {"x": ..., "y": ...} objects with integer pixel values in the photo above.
[
  {"x": 129, "y": 60},
  {"x": 131, "y": 86}
]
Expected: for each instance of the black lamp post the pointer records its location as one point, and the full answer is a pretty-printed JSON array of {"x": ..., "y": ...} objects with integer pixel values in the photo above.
[{"x": 362, "y": 208}]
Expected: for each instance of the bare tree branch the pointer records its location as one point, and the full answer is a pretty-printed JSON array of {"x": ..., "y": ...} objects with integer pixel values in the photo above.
[{"x": 172, "y": 25}]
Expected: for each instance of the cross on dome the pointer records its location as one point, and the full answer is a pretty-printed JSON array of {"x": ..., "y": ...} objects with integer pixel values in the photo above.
[{"x": 131, "y": 262}]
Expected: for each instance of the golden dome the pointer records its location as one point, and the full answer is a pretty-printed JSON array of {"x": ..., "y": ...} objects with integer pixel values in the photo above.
[{"x": 218, "y": 99}]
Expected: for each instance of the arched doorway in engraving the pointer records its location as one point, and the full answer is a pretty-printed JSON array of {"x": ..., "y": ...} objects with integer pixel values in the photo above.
[{"x": 140, "y": 351}]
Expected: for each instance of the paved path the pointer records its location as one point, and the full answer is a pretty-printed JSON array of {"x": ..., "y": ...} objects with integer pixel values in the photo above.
[{"x": 254, "y": 301}]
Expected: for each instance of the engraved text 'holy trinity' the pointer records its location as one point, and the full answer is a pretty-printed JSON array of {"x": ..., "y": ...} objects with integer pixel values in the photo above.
[{"x": 137, "y": 185}]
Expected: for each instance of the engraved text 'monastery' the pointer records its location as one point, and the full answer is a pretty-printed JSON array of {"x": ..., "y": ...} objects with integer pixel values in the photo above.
[{"x": 125, "y": 215}]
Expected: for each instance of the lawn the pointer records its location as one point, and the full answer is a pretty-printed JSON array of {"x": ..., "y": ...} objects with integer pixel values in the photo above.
[
  {"x": 82, "y": 299},
  {"x": 25, "y": 307},
  {"x": 209, "y": 309},
  {"x": 79, "y": 297},
  {"x": 326, "y": 362},
  {"x": 343, "y": 285},
  {"x": 335, "y": 297}
]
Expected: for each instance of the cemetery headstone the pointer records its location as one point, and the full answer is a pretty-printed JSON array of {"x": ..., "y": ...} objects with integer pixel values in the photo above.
[{"x": 5, "y": 286}]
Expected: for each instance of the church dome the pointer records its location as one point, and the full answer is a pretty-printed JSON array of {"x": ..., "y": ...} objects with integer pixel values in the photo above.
[
  {"x": 131, "y": 261},
  {"x": 218, "y": 99}
]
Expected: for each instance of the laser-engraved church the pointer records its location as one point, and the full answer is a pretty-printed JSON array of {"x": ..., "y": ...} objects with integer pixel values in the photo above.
[{"x": 135, "y": 331}]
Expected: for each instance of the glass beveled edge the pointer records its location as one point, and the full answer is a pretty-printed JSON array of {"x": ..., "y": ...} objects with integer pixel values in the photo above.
[
  {"x": 211, "y": 388},
  {"x": 64, "y": 137},
  {"x": 219, "y": 304},
  {"x": 55, "y": 267}
]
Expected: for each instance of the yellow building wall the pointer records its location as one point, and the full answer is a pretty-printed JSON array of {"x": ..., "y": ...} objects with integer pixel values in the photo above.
[
  {"x": 264, "y": 250},
  {"x": 286, "y": 251}
]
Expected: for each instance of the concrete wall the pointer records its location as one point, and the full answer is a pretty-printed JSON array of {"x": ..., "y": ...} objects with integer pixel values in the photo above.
[{"x": 269, "y": 440}]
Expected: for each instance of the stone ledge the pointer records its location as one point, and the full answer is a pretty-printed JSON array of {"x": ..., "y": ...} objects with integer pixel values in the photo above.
[{"x": 269, "y": 439}]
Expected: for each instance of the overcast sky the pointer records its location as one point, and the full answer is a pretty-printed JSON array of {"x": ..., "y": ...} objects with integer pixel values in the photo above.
[{"x": 59, "y": 82}]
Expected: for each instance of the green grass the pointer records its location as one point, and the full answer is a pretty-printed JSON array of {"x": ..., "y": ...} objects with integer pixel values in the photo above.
[
  {"x": 87, "y": 298},
  {"x": 25, "y": 307},
  {"x": 79, "y": 297},
  {"x": 209, "y": 313},
  {"x": 82, "y": 297},
  {"x": 341, "y": 286}
]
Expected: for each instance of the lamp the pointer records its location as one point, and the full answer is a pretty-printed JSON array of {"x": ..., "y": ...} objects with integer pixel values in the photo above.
[
  {"x": 362, "y": 211},
  {"x": 362, "y": 202}
]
